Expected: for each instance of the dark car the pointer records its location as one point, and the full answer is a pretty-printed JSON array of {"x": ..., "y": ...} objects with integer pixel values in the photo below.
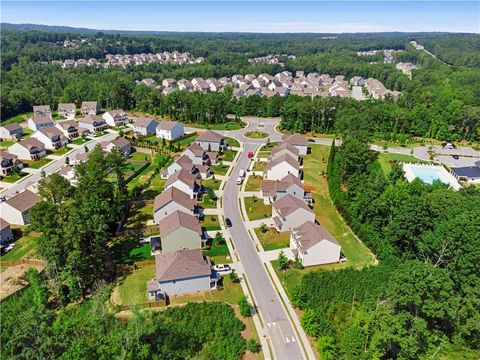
[
  {"x": 456, "y": 157},
  {"x": 228, "y": 222},
  {"x": 311, "y": 140}
]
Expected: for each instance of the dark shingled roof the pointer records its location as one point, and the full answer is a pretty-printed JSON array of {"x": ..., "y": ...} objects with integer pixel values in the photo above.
[{"x": 181, "y": 264}]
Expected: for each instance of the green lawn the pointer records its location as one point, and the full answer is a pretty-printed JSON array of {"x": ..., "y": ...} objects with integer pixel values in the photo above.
[
  {"x": 228, "y": 155},
  {"x": 6, "y": 143},
  {"x": 139, "y": 156},
  {"x": 61, "y": 151},
  {"x": 231, "y": 141},
  {"x": 314, "y": 165},
  {"x": 212, "y": 184},
  {"x": 259, "y": 166},
  {"x": 208, "y": 203},
  {"x": 14, "y": 177},
  {"x": 156, "y": 183},
  {"x": 272, "y": 239},
  {"x": 269, "y": 146},
  {"x": 220, "y": 168},
  {"x": 133, "y": 288},
  {"x": 18, "y": 118},
  {"x": 256, "y": 135},
  {"x": 210, "y": 223},
  {"x": 256, "y": 209},
  {"x": 38, "y": 163},
  {"x": 385, "y": 160},
  {"x": 138, "y": 217},
  {"x": 80, "y": 141},
  {"x": 264, "y": 154},
  {"x": 217, "y": 253},
  {"x": 141, "y": 253},
  {"x": 254, "y": 183},
  {"x": 23, "y": 246},
  {"x": 231, "y": 125},
  {"x": 186, "y": 140}
]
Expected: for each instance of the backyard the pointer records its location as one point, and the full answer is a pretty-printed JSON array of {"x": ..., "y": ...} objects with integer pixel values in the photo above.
[
  {"x": 254, "y": 183},
  {"x": 37, "y": 164},
  {"x": 385, "y": 160},
  {"x": 256, "y": 209},
  {"x": 210, "y": 223},
  {"x": 138, "y": 216},
  {"x": 207, "y": 202},
  {"x": 271, "y": 239},
  {"x": 211, "y": 183},
  {"x": 231, "y": 142},
  {"x": 228, "y": 155},
  {"x": 23, "y": 246}
]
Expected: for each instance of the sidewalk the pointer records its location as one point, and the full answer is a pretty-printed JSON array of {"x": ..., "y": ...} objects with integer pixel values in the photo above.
[{"x": 271, "y": 255}]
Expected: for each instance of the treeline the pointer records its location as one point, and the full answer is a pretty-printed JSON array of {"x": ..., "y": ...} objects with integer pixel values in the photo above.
[
  {"x": 423, "y": 300},
  {"x": 32, "y": 328}
]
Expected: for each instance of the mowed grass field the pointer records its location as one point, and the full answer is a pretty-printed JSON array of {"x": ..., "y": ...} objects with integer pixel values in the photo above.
[
  {"x": 385, "y": 160},
  {"x": 315, "y": 165}
]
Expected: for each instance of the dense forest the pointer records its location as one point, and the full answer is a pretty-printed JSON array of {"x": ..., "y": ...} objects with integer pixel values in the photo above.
[{"x": 422, "y": 300}]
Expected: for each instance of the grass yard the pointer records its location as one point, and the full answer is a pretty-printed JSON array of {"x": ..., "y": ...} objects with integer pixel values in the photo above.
[
  {"x": 269, "y": 146},
  {"x": 14, "y": 177},
  {"x": 272, "y": 239},
  {"x": 220, "y": 168},
  {"x": 139, "y": 156},
  {"x": 18, "y": 118},
  {"x": 256, "y": 209},
  {"x": 6, "y": 143},
  {"x": 357, "y": 253},
  {"x": 212, "y": 184},
  {"x": 385, "y": 160},
  {"x": 208, "y": 203},
  {"x": 80, "y": 141},
  {"x": 61, "y": 151},
  {"x": 23, "y": 246},
  {"x": 37, "y": 164},
  {"x": 231, "y": 125},
  {"x": 259, "y": 166},
  {"x": 210, "y": 223},
  {"x": 254, "y": 183},
  {"x": 231, "y": 141},
  {"x": 256, "y": 135},
  {"x": 138, "y": 216},
  {"x": 186, "y": 140},
  {"x": 264, "y": 154},
  {"x": 218, "y": 253},
  {"x": 141, "y": 253},
  {"x": 132, "y": 288},
  {"x": 228, "y": 155}
]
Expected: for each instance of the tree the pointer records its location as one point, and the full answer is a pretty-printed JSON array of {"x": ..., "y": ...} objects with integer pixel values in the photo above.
[
  {"x": 326, "y": 348},
  {"x": 219, "y": 239},
  {"x": 244, "y": 306},
  {"x": 55, "y": 188},
  {"x": 253, "y": 345}
]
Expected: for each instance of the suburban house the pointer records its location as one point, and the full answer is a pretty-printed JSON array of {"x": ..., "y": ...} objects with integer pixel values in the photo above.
[
  {"x": 51, "y": 137},
  {"x": 121, "y": 143},
  {"x": 39, "y": 122},
  {"x": 285, "y": 148},
  {"x": 68, "y": 110},
  {"x": 8, "y": 162},
  {"x": 29, "y": 149},
  {"x": 89, "y": 108},
  {"x": 79, "y": 158},
  {"x": 172, "y": 200},
  {"x": 211, "y": 141},
  {"x": 290, "y": 212},
  {"x": 314, "y": 245},
  {"x": 145, "y": 126},
  {"x": 275, "y": 190},
  {"x": 181, "y": 272},
  {"x": 116, "y": 118},
  {"x": 92, "y": 123},
  {"x": 6, "y": 234},
  {"x": 281, "y": 167},
  {"x": 68, "y": 172},
  {"x": 42, "y": 110},
  {"x": 183, "y": 162},
  {"x": 180, "y": 231},
  {"x": 469, "y": 174},
  {"x": 11, "y": 132},
  {"x": 297, "y": 141},
  {"x": 185, "y": 181},
  {"x": 357, "y": 81},
  {"x": 170, "y": 130},
  {"x": 69, "y": 128},
  {"x": 16, "y": 209},
  {"x": 196, "y": 153}
]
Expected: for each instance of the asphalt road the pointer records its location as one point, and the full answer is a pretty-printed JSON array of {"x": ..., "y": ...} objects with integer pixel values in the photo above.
[{"x": 284, "y": 341}]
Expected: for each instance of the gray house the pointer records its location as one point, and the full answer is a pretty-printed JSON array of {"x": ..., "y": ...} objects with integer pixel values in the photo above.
[
  {"x": 181, "y": 272},
  {"x": 145, "y": 126},
  {"x": 180, "y": 231},
  {"x": 5, "y": 232},
  {"x": 171, "y": 200},
  {"x": 210, "y": 140},
  {"x": 11, "y": 132}
]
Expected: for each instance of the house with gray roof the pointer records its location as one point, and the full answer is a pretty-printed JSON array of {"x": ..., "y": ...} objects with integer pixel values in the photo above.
[
  {"x": 11, "y": 132},
  {"x": 89, "y": 108},
  {"x": 51, "y": 137},
  {"x": 42, "y": 110},
  {"x": 186, "y": 182},
  {"x": 29, "y": 149},
  {"x": 211, "y": 141},
  {"x": 145, "y": 126},
  {"x": 297, "y": 141},
  {"x": 285, "y": 149},
  {"x": 180, "y": 231},
  {"x": 290, "y": 212},
  {"x": 281, "y": 166},
  {"x": 170, "y": 201},
  {"x": 69, "y": 128},
  {"x": 116, "y": 118},
  {"x": 274, "y": 190},
  {"x": 169, "y": 130},
  {"x": 93, "y": 123},
  {"x": 69, "y": 110},
  {"x": 6, "y": 234},
  {"x": 38, "y": 122},
  {"x": 8, "y": 162},
  {"x": 16, "y": 209}
]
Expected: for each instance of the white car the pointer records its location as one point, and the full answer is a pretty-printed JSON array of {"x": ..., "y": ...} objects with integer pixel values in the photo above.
[
  {"x": 221, "y": 268},
  {"x": 239, "y": 181}
]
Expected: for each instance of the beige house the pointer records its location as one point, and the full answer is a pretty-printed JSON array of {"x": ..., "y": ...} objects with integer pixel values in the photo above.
[
  {"x": 116, "y": 118},
  {"x": 92, "y": 123},
  {"x": 314, "y": 245},
  {"x": 186, "y": 182},
  {"x": 290, "y": 212},
  {"x": 275, "y": 190},
  {"x": 89, "y": 108},
  {"x": 40, "y": 121},
  {"x": 29, "y": 149},
  {"x": 172, "y": 200},
  {"x": 42, "y": 110},
  {"x": 8, "y": 162},
  {"x": 297, "y": 141},
  {"x": 281, "y": 167},
  {"x": 68, "y": 110},
  {"x": 69, "y": 128},
  {"x": 285, "y": 149},
  {"x": 179, "y": 231},
  {"x": 120, "y": 143},
  {"x": 15, "y": 210},
  {"x": 196, "y": 153},
  {"x": 51, "y": 137},
  {"x": 11, "y": 132},
  {"x": 210, "y": 141}
]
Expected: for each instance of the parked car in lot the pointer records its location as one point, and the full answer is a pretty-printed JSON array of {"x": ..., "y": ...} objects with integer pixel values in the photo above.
[
  {"x": 222, "y": 268},
  {"x": 228, "y": 222}
]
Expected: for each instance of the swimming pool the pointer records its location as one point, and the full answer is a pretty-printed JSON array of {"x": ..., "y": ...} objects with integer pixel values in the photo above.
[{"x": 430, "y": 173}]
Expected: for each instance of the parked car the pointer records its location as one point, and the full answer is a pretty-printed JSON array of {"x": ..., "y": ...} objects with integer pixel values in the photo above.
[
  {"x": 222, "y": 268},
  {"x": 242, "y": 173},
  {"x": 239, "y": 180},
  {"x": 456, "y": 157},
  {"x": 2, "y": 198},
  {"x": 228, "y": 222},
  {"x": 250, "y": 154},
  {"x": 311, "y": 140}
]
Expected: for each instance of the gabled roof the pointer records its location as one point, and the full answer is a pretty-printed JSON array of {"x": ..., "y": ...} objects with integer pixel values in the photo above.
[
  {"x": 181, "y": 264},
  {"x": 291, "y": 179},
  {"x": 31, "y": 143},
  {"x": 143, "y": 122},
  {"x": 117, "y": 112},
  {"x": 285, "y": 146},
  {"x": 121, "y": 142},
  {"x": 67, "y": 106},
  {"x": 42, "y": 119},
  {"x": 310, "y": 234},
  {"x": 3, "y": 224},
  {"x": 177, "y": 220},
  {"x": 11, "y": 127},
  {"x": 51, "y": 131},
  {"x": 210, "y": 136},
  {"x": 67, "y": 124},
  {"x": 23, "y": 201},
  {"x": 167, "y": 125},
  {"x": 38, "y": 109},
  {"x": 289, "y": 204},
  {"x": 183, "y": 176},
  {"x": 90, "y": 119},
  {"x": 295, "y": 139},
  {"x": 283, "y": 159},
  {"x": 89, "y": 104},
  {"x": 173, "y": 194},
  {"x": 196, "y": 150}
]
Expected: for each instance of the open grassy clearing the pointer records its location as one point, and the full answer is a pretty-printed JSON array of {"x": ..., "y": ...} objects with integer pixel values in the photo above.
[
  {"x": 18, "y": 118},
  {"x": 272, "y": 239},
  {"x": 385, "y": 160},
  {"x": 232, "y": 125},
  {"x": 256, "y": 209},
  {"x": 254, "y": 183}
]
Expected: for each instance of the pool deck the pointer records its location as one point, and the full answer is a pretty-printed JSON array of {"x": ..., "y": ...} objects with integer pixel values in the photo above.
[{"x": 447, "y": 178}]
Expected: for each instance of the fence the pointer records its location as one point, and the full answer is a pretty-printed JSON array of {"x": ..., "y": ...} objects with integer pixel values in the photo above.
[
  {"x": 22, "y": 262},
  {"x": 147, "y": 305}
]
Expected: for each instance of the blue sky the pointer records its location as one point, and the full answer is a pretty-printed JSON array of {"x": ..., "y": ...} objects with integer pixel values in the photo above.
[{"x": 255, "y": 16}]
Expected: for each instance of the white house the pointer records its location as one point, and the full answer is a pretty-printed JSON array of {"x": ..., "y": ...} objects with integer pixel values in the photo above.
[
  {"x": 16, "y": 209},
  {"x": 196, "y": 153},
  {"x": 170, "y": 130},
  {"x": 29, "y": 149},
  {"x": 8, "y": 162},
  {"x": 297, "y": 141},
  {"x": 42, "y": 110},
  {"x": 281, "y": 167},
  {"x": 51, "y": 137},
  {"x": 92, "y": 123},
  {"x": 183, "y": 162},
  {"x": 39, "y": 121},
  {"x": 116, "y": 118},
  {"x": 184, "y": 181},
  {"x": 275, "y": 190},
  {"x": 68, "y": 110},
  {"x": 145, "y": 126},
  {"x": 89, "y": 108},
  {"x": 120, "y": 143},
  {"x": 6, "y": 234},
  {"x": 290, "y": 212},
  {"x": 314, "y": 245},
  {"x": 172, "y": 200},
  {"x": 210, "y": 141},
  {"x": 69, "y": 128},
  {"x": 11, "y": 132},
  {"x": 285, "y": 148}
]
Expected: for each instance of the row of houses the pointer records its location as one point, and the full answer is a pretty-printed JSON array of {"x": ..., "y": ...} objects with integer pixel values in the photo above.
[
  {"x": 180, "y": 266},
  {"x": 165, "y": 129},
  {"x": 388, "y": 54},
  {"x": 281, "y": 84},
  {"x": 272, "y": 59},
  {"x": 282, "y": 187}
]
